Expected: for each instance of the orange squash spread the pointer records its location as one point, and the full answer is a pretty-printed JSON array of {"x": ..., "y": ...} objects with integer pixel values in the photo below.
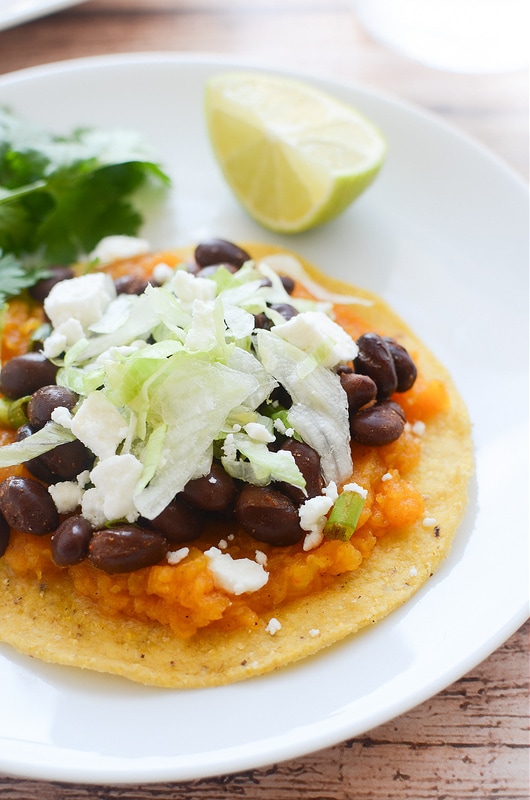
[{"x": 183, "y": 595}]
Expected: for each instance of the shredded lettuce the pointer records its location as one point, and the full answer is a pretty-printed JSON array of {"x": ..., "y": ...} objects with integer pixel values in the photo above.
[
  {"x": 35, "y": 445},
  {"x": 193, "y": 379},
  {"x": 319, "y": 412}
]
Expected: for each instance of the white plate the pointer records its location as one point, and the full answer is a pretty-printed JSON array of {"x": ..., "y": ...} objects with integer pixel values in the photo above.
[
  {"x": 442, "y": 234},
  {"x": 14, "y": 12}
]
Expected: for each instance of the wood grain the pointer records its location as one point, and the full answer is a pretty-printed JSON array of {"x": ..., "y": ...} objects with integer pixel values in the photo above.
[
  {"x": 471, "y": 741},
  {"x": 312, "y": 36}
]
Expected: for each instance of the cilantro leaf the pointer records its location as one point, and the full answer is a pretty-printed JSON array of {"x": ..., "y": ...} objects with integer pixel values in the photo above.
[
  {"x": 59, "y": 195},
  {"x": 15, "y": 277}
]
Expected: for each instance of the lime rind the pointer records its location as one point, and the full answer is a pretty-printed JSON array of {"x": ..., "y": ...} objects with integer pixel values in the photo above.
[{"x": 294, "y": 156}]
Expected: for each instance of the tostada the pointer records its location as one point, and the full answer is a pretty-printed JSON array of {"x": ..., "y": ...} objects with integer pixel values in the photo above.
[{"x": 215, "y": 461}]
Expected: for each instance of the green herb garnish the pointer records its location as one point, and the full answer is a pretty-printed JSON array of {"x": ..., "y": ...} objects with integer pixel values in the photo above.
[
  {"x": 344, "y": 516},
  {"x": 60, "y": 195}
]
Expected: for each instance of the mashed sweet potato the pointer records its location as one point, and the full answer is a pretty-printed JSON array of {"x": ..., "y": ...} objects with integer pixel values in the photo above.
[{"x": 183, "y": 599}]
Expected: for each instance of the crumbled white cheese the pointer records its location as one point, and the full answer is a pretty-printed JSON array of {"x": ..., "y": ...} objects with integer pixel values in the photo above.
[
  {"x": 99, "y": 425},
  {"x": 413, "y": 572},
  {"x": 354, "y": 487},
  {"x": 163, "y": 272},
  {"x": 63, "y": 336},
  {"x": 317, "y": 334},
  {"x": 188, "y": 288},
  {"x": 112, "y": 248},
  {"x": 418, "y": 428},
  {"x": 176, "y": 556},
  {"x": 280, "y": 427},
  {"x": 115, "y": 479},
  {"x": 386, "y": 477},
  {"x": 258, "y": 432},
  {"x": 314, "y": 632},
  {"x": 236, "y": 576},
  {"x": 84, "y": 299},
  {"x": 92, "y": 508},
  {"x": 62, "y": 416},
  {"x": 261, "y": 558},
  {"x": 54, "y": 344},
  {"x": 83, "y": 479},
  {"x": 222, "y": 544},
  {"x": 429, "y": 522},
  {"x": 229, "y": 447},
  {"x": 312, "y": 516},
  {"x": 331, "y": 491},
  {"x": 66, "y": 495},
  {"x": 273, "y": 626}
]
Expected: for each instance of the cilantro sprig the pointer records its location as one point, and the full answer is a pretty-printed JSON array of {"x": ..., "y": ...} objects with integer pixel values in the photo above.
[
  {"x": 59, "y": 195},
  {"x": 15, "y": 277}
]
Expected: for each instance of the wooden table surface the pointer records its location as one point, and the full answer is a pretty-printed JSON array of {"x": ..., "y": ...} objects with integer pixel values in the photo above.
[{"x": 471, "y": 740}]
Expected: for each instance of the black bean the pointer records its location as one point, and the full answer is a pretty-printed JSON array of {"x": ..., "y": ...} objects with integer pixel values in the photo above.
[
  {"x": 69, "y": 543},
  {"x": 360, "y": 390},
  {"x": 215, "y": 491},
  {"x": 42, "y": 289},
  {"x": 288, "y": 283},
  {"x": 285, "y": 309},
  {"x": 126, "y": 548},
  {"x": 268, "y": 516},
  {"x": 405, "y": 367},
  {"x": 35, "y": 465},
  {"x": 220, "y": 251},
  {"x": 308, "y": 462},
  {"x": 280, "y": 395},
  {"x": 47, "y": 399},
  {"x": 24, "y": 374},
  {"x": 178, "y": 522},
  {"x": 4, "y": 535},
  {"x": 130, "y": 284},
  {"x": 27, "y": 506},
  {"x": 377, "y": 425},
  {"x": 262, "y": 321},
  {"x": 375, "y": 360},
  {"x": 68, "y": 460}
]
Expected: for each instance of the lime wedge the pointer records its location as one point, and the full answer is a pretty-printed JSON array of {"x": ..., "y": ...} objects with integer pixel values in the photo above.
[{"x": 294, "y": 156}]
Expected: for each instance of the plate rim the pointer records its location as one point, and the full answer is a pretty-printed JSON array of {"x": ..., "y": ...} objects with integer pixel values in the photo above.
[{"x": 155, "y": 773}]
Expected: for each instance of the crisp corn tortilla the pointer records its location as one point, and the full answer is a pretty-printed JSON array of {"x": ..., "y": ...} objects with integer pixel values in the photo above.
[{"x": 47, "y": 621}]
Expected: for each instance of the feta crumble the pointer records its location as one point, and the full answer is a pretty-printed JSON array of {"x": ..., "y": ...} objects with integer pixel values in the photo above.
[
  {"x": 429, "y": 522},
  {"x": 314, "y": 632},
  {"x": 188, "y": 288},
  {"x": 273, "y": 626},
  {"x": 66, "y": 495},
  {"x": 84, "y": 299},
  {"x": 312, "y": 516},
  {"x": 163, "y": 272},
  {"x": 62, "y": 416},
  {"x": 258, "y": 432},
  {"x": 115, "y": 480},
  {"x": 236, "y": 576},
  {"x": 354, "y": 487},
  {"x": 176, "y": 556},
  {"x": 314, "y": 332},
  {"x": 99, "y": 425},
  {"x": 112, "y": 248},
  {"x": 280, "y": 427}
]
